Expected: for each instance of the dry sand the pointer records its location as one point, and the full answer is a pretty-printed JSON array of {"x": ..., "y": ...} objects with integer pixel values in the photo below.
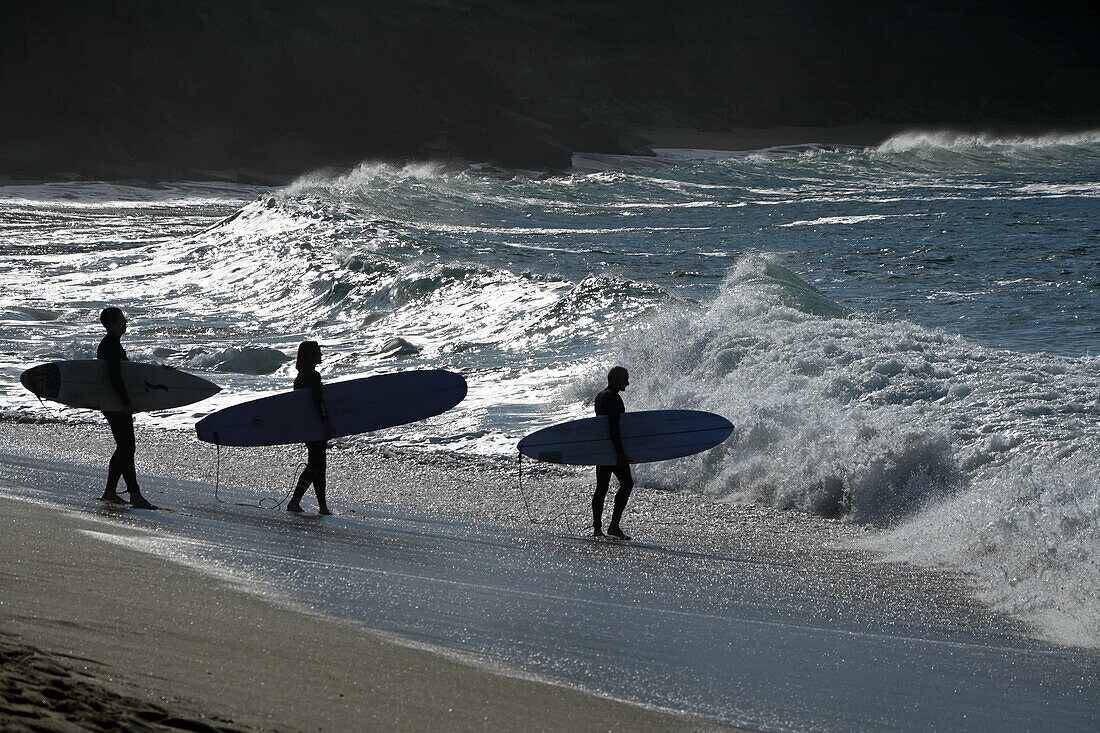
[{"x": 96, "y": 636}]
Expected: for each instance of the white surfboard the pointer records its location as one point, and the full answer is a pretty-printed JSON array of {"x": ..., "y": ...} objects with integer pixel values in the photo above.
[
  {"x": 85, "y": 384},
  {"x": 354, "y": 406},
  {"x": 648, "y": 435}
]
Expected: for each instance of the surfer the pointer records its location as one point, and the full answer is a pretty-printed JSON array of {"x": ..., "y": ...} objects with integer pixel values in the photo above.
[
  {"x": 121, "y": 422},
  {"x": 608, "y": 402},
  {"x": 309, "y": 356}
]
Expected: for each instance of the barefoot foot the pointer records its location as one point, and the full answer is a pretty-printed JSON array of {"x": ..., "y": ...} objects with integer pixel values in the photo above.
[
  {"x": 617, "y": 533},
  {"x": 137, "y": 501}
]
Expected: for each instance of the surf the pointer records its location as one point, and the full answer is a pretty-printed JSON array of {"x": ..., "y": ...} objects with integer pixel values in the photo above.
[
  {"x": 963, "y": 456},
  {"x": 893, "y": 330}
]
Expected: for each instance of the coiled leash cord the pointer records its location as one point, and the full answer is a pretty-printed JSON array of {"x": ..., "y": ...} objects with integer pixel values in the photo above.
[{"x": 260, "y": 504}]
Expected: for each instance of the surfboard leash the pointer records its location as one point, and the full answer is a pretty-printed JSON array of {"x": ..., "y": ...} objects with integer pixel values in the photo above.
[
  {"x": 526, "y": 505},
  {"x": 260, "y": 504},
  {"x": 295, "y": 476}
]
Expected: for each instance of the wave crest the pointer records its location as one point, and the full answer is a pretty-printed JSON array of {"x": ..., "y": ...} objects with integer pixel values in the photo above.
[
  {"x": 973, "y": 458},
  {"x": 777, "y": 357},
  {"x": 365, "y": 176},
  {"x": 962, "y": 141}
]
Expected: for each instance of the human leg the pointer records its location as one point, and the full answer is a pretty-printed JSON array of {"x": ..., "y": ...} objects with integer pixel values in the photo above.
[
  {"x": 295, "y": 503},
  {"x": 622, "y": 496},
  {"x": 121, "y": 464},
  {"x": 314, "y": 474},
  {"x": 318, "y": 458},
  {"x": 603, "y": 480},
  {"x": 114, "y": 470}
]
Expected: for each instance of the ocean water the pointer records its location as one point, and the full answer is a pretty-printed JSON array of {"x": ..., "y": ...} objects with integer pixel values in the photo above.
[{"x": 905, "y": 335}]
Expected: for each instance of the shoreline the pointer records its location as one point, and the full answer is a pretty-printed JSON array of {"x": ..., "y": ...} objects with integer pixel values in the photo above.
[
  {"x": 431, "y": 557},
  {"x": 170, "y": 641}
]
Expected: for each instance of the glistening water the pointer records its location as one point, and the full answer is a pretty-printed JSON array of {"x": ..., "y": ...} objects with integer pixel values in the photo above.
[{"x": 904, "y": 335}]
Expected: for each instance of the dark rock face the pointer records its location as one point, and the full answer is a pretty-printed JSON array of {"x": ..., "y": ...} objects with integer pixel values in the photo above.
[{"x": 184, "y": 88}]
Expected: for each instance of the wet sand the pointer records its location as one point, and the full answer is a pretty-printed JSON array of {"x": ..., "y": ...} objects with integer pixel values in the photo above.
[{"x": 98, "y": 636}]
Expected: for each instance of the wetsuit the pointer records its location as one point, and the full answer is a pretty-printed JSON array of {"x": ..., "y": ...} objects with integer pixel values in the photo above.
[
  {"x": 122, "y": 423},
  {"x": 317, "y": 460},
  {"x": 608, "y": 402}
]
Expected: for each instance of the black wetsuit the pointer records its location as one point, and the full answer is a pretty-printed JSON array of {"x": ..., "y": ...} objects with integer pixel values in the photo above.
[
  {"x": 317, "y": 460},
  {"x": 608, "y": 402},
  {"x": 122, "y": 423}
]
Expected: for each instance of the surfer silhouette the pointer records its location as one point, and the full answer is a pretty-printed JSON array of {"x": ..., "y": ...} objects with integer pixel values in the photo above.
[
  {"x": 608, "y": 402},
  {"x": 121, "y": 422},
  {"x": 309, "y": 356}
]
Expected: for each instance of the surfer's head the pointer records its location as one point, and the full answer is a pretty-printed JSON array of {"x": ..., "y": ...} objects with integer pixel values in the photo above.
[
  {"x": 309, "y": 355},
  {"x": 113, "y": 320},
  {"x": 618, "y": 378}
]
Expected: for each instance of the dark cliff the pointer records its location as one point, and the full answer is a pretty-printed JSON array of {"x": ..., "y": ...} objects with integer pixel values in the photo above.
[{"x": 165, "y": 88}]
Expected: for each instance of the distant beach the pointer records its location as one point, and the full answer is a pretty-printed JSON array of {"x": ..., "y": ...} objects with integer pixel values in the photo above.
[{"x": 857, "y": 135}]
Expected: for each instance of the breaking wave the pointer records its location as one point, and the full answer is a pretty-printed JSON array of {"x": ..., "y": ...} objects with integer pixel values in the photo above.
[
  {"x": 969, "y": 457},
  {"x": 953, "y": 140},
  {"x": 852, "y": 393}
]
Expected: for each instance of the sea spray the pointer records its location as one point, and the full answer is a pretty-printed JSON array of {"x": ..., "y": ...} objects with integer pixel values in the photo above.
[
  {"x": 971, "y": 458},
  {"x": 958, "y": 140},
  {"x": 1030, "y": 532},
  {"x": 798, "y": 378}
]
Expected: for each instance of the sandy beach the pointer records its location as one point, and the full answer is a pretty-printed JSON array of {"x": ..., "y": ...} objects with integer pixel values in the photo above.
[{"x": 128, "y": 638}]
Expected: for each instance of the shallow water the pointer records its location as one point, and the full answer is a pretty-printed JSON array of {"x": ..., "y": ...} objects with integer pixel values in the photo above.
[{"x": 904, "y": 335}]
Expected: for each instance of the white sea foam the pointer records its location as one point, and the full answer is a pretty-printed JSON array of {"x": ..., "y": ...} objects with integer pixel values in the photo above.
[
  {"x": 240, "y": 359},
  {"x": 1030, "y": 532},
  {"x": 835, "y": 220},
  {"x": 973, "y": 458},
  {"x": 955, "y": 140},
  {"x": 366, "y": 175},
  {"x": 801, "y": 382}
]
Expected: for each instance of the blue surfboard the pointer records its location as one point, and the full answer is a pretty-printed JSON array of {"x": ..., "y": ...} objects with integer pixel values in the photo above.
[
  {"x": 648, "y": 435},
  {"x": 354, "y": 406}
]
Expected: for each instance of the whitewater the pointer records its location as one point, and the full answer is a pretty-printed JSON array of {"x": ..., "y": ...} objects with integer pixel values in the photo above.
[{"x": 905, "y": 336}]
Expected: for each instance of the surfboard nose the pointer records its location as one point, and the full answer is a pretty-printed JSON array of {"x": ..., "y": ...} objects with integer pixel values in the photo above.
[{"x": 43, "y": 380}]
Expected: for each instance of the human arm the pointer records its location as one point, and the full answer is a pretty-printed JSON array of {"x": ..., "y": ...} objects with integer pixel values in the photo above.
[
  {"x": 114, "y": 355},
  {"x": 615, "y": 431},
  {"x": 319, "y": 405}
]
